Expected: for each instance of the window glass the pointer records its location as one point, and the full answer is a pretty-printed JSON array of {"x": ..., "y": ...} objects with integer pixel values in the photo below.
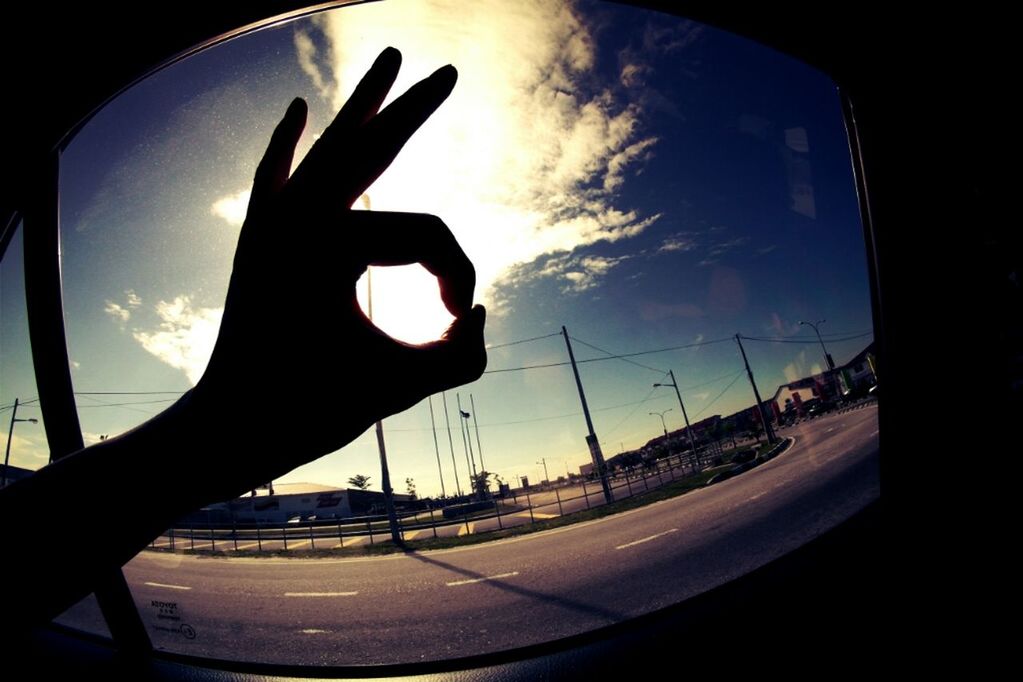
[
  {"x": 23, "y": 434},
  {"x": 652, "y": 186}
]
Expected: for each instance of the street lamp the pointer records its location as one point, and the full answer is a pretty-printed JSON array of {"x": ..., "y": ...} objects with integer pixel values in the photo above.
[
  {"x": 827, "y": 355},
  {"x": 663, "y": 426},
  {"x": 10, "y": 436},
  {"x": 685, "y": 416}
]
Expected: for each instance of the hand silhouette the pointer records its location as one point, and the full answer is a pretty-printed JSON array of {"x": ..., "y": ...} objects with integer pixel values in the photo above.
[{"x": 292, "y": 329}]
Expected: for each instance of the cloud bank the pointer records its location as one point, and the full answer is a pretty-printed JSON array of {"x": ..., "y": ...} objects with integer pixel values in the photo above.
[{"x": 526, "y": 157}]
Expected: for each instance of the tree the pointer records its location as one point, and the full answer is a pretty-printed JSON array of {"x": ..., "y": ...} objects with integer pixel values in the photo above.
[
  {"x": 361, "y": 482},
  {"x": 410, "y": 485},
  {"x": 481, "y": 484}
]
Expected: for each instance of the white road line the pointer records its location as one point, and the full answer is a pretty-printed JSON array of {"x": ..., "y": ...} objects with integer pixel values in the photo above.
[
  {"x": 314, "y": 631},
  {"x": 462, "y": 530},
  {"x": 874, "y": 433},
  {"x": 652, "y": 537},
  {"x": 248, "y": 546},
  {"x": 479, "y": 580},
  {"x": 320, "y": 594},
  {"x": 169, "y": 587}
]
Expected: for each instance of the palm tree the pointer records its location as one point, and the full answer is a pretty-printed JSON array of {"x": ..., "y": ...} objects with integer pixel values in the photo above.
[{"x": 361, "y": 482}]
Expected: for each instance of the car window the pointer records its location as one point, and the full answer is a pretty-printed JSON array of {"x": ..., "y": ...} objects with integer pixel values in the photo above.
[{"x": 665, "y": 230}]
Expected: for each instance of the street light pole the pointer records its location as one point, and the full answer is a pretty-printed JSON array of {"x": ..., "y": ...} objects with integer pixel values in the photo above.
[
  {"x": 661, "y": 415},
  {"x": 543, "y": 460},
  {"x": 827, "y": 356},
  {"x": 385, "y": 474},
  {"x": 436, "y": 447},
  {"x": 685, "y": 416},
  {"x": 10, "y": 436}
]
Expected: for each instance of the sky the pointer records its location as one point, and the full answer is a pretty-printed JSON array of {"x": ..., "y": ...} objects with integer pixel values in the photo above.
[{"x": 645, "y": 181}]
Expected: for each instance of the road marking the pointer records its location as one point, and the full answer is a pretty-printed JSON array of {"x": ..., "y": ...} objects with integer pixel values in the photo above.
[
  {"x": 652, "y": 537},
  {"x": 248, "y": 546},
  {"x": 538, "y": 515},
  {"x": 758, "y": 495},
  {"x": 314, "y": 631},
  {"x": 169, "y": 587},
  {"x": 479, "y": 580},
  {"x": 161, "y": 545},
  {"x": 830, "y": 430},
  {"x": 412, "y": 534},
  {"x": 874, "y": 433},
  {"x": 352, "y": 541},
  {"x": 320, "y": 594},
  {"x": 462, "y": 530},
  {"x": 295, "y": 544}
]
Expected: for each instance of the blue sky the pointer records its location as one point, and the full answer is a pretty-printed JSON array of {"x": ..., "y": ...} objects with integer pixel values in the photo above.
[{"x": 645, "y": 181}]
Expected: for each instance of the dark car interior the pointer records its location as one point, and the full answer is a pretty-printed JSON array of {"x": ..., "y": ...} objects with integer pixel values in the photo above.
[{"x": 921, "y": 94}]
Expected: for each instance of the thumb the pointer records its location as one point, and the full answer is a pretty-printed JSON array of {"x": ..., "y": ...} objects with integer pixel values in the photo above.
[{"x": 459, "y": 357}]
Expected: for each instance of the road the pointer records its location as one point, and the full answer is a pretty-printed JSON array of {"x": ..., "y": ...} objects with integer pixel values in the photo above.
[{"x": 513, "y": 592}]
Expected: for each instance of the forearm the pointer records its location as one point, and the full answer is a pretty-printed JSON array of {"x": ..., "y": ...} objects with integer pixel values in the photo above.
[{"x": 79, "y": 518}]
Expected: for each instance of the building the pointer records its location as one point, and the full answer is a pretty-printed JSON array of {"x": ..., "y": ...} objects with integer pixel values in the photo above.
[{"x": 291, "y": 502}]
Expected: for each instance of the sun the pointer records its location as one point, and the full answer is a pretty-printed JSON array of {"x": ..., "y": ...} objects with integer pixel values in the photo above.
[{"x": 406, "y": 303}]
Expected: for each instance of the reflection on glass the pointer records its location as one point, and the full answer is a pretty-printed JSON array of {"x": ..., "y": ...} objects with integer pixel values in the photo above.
[{"x": 651, "y": 185}]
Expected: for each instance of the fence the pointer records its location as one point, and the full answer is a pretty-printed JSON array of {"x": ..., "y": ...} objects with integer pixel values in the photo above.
[{"x": 524, "y": 506}]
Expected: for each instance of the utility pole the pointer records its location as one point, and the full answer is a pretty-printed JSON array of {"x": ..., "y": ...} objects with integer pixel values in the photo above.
[
  {"x": 547, "y": 476},
  {"x": 768, "y": 431},
  {"x": 10, "y": 437},
  {"x": 451, "y": 443},
  {"x": 591, "y": 439},
  {"x": 689, "y": 429},
  {"x": 436, "y": 448},
  {"x": 385, "y": 474},
  {"x": 476, "y": 425}
]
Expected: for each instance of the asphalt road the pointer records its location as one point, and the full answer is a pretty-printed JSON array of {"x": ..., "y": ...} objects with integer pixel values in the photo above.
[{"x": 508, "y": 593}]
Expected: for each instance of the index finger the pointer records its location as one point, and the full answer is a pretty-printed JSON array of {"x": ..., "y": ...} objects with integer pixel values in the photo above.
[
  {"x": 385, "y": 134},
  {"x": 383, "y": 238}
]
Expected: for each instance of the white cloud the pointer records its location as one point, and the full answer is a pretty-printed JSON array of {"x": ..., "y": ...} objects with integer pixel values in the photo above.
[
  {"x": 633, "y": 74},
  {"x": 232, "y": 207},
  {"x": 134, "y": 301},
  {"x": 525, "y": 158},
  {"x": 677, "y": 243},
  {"x": 26, "y": 451},
  {"x": 701, "y": 396},
  {"x": 306, "y": 51},
  {"x": 724, "y": 247},
  {"x": 117, "y": 312},
  {"x": 782, "y": 328},
  {"x": 580, "y": 272},
  {"x": 186, "y": 336}
]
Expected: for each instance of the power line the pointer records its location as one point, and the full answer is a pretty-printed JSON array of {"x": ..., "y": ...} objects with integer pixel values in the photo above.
[
  {"x": 129, "y": 393},
  {"x": 609, "y": 353},
  {"x": 803, "y": 339},
  {"x": 711, "y": 403},
  {"x": 630, "y": 414},
  {"x": 515, "y": 343},
  {"x": 137, "y": 402},
  {"x": 613, "y": 357},
  {"x": 540, "y": 419}
]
